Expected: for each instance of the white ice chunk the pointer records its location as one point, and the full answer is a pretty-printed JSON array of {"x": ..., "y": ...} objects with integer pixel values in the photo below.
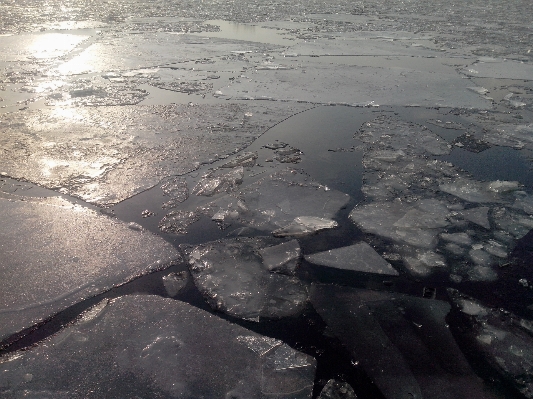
[
  {"x": 283, "y": 258},
  {"x": 503, "y": 186},
  {"x": 360, "y": 257},
  {"x": 423, "y": 263},
  {"x": 457, "y": 238},
  {"x": 147, "y": 346},
  {"x": 470, "y": 190}
]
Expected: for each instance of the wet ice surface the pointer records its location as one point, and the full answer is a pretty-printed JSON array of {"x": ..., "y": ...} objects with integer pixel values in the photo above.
[
  {"x": 60, "y": 253},
  {"x": 158, "y": 348},
  {"x": 213, "y": 134}
]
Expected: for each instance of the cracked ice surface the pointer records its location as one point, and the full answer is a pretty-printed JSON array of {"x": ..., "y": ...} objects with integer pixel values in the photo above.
[
  {"x": 55, "y": 254},
  {"x": 283, "y": 199},
  {"x": 426, "y": 209},
  {"x": 155, "y": 347},
  {"x": 235, "y": 277},
  {"x": 503, "y": 339},
  {"x": 107, "y": 155}
]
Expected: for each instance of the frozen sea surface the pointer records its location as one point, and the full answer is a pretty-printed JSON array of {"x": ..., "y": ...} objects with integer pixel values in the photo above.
[{"x": 300, "y": 189}]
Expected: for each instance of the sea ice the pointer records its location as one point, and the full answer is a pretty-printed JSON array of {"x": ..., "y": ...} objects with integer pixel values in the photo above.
[
  {"x": 470, "y": 190},
  {"x": 55, "y": 254},
  {"x": 282, "y": 258},
  {"x": 402, "y": 343},
  {"x": 235, "y": 279},
  {"x": 478, "y": 215},
  {"x": 501, "y": 338},
  {"x": 278, "y": 200},
  {"x": 175, "y": 282},
  {"x": 218, "y": 181},
  {"x": 305, "y": 225},
  {"x": 154, "y": 347},
  {"x": 359, "y": 257}
]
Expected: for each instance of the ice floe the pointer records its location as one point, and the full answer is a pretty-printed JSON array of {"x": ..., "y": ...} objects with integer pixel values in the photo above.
[
  {"x": 55, "y": 254},
  {"x": 150, "y": 346},
  {"x": 236, "y": 277}
]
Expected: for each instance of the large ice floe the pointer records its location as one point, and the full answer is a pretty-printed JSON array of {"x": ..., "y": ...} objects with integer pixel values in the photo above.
[
  {"x": 55, "y": 254},
  {"x": 430, "y": 212},
  {"x": 154, "y": 347},
  {"x": 239, "y": 277}
]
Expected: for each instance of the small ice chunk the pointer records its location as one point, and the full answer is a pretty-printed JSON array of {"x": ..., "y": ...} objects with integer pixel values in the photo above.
[
  {"x": 496, "y": 249},
  {"x": 337, "y": 390},
  {"x": 477, "y": 215},
  {"x": 457, "y": 238},
  {"x": 472, "y": 308},
  {"x": 455, "y": 249},
  {"x": 482, "y": 273},
  {"x": 233, "y": 279},
  {"x": 175, "y": 282},
  {"x": 305, "y": 225},
  {"x": 470, "y": 190},
  {"x": 283, "y": 258},
  {"x": 360, "y": 257},
  {"x": 217, "y": 182},
  {"x": 244, "y": 159},
  {"x": 480, "y": 257},
  {"x": 423, "y": 263}
]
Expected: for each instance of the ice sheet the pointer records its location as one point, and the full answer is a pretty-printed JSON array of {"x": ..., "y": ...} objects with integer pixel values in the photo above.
[
  {"x": 104, "y": 156},
  {"x": 54, "y": 254},
  {"x": 155, "y": 347}
]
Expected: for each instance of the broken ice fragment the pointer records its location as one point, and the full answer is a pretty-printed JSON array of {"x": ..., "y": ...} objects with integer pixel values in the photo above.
[
  {"x": 470, "y": 190},
  {"x": 244, "y": 159},
  {"x": 283, "y": 258},
  {"x": 233, "y": 278},
  {"x": 402, "y": 343},
  {"x": 137, "y": 348},
  {"x": 177, "y": 222},
  {"x": 501, "y": 338},
  {"x": 219, "y": 181},
  {"x": 477, "y": 215},
  {"x": 360, "y": 257},
  {"x": 422, "y": 263},
  {"x": 337, "y": 390},
  {"x": 305, "y": 225},
  {"x": 457, "y": 238},
  {"x": 175, "y": 282}
]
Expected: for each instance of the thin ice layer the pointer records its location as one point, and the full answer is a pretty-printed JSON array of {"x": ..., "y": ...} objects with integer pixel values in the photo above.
[
  {"x": 146, "y": 346},
  {"x": 402, "y": 343},
  {"x": 236, "y": 280},
  {"x": 360, "y": 257},
  {"x": 55, "y": 253}
]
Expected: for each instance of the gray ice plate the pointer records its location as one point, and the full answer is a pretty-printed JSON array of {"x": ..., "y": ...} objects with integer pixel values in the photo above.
[
  {"x": 360, "y": 257},
  {"x": 54, "y": 254},
  {"x": 147, "y": 346}
]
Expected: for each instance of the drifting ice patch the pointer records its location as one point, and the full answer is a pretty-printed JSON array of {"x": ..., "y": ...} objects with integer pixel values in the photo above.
[
  {"x": 360, "y": 257},
  {"x": 304, "y": 226},
  {"x": 236, "y": 280}
]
